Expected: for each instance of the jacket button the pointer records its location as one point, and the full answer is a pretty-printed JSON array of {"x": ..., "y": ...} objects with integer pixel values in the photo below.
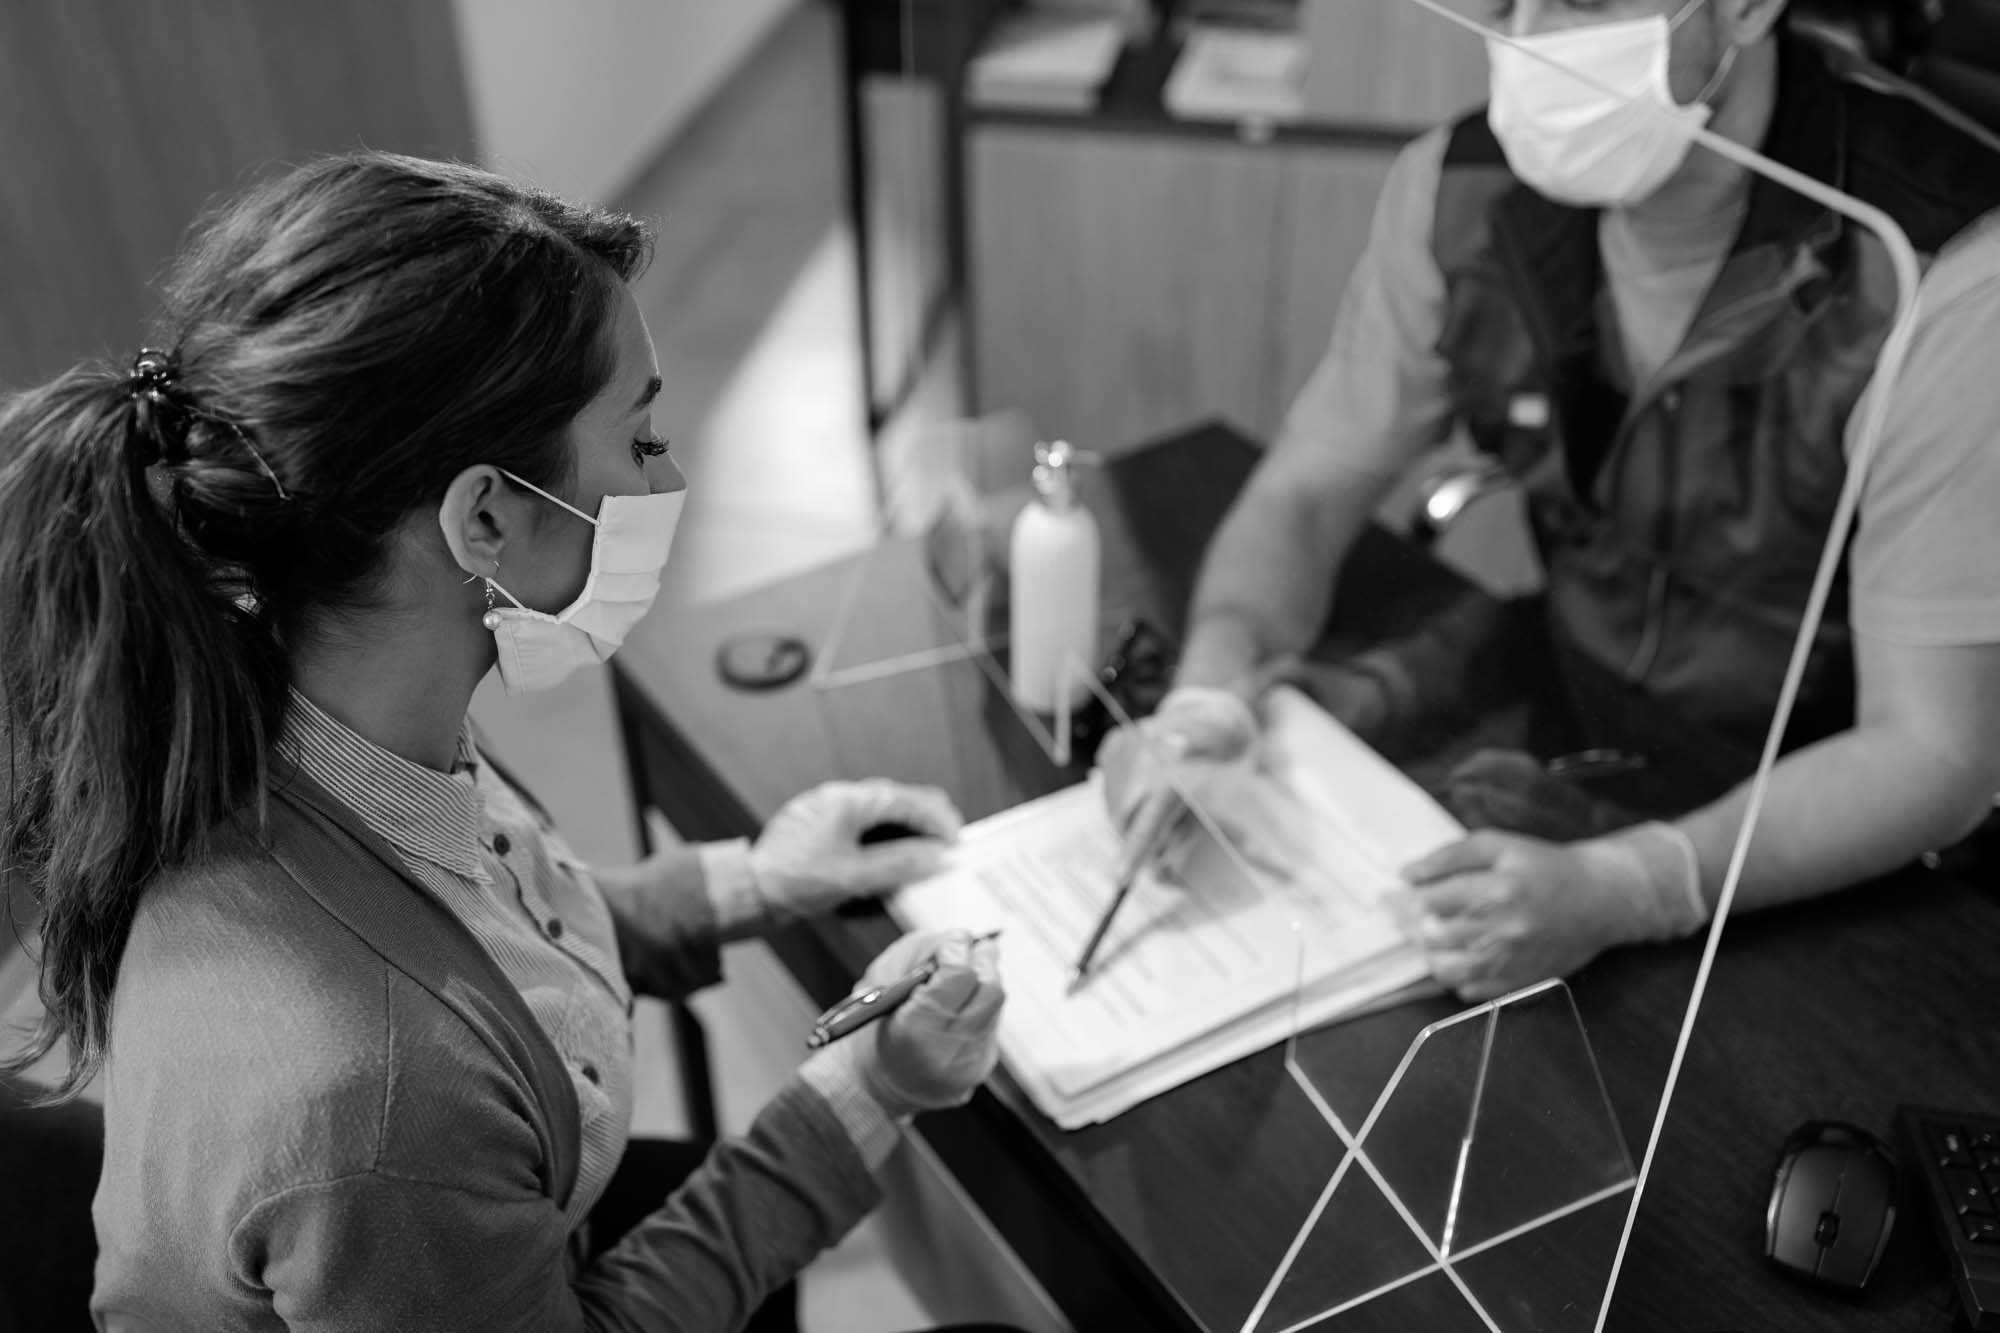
[
  {"x": 554, "y": 928},
  {"x": 501, "y": 845},
  {"x": 590, "y": 1072}
]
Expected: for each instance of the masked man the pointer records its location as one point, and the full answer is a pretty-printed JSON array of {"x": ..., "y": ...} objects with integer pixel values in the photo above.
[{"x": 1670, "y": 357}]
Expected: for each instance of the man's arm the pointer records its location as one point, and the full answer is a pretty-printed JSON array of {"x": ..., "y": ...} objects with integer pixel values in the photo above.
[
  {"x": 1374, "y": 403},
  {"x": 1916, "y": 772},
  {"x": 1922, "y": 762},
  {"x": 1269, "y": 572}
]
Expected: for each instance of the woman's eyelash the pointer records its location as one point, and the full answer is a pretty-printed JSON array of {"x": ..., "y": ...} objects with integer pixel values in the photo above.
[{"x": 651, "y": 447}]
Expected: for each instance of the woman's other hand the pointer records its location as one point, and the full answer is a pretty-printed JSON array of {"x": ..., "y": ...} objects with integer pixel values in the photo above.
[{"x": 811, "y": 858}]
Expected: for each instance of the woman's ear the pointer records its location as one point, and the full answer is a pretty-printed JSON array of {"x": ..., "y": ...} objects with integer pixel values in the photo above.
[
  {"x": 478, "y": 516},
  {"x": 1747, "y": 22}
]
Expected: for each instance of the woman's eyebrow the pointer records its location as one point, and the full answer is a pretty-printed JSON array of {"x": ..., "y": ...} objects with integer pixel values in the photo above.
[{"x": 648, "y": 394}]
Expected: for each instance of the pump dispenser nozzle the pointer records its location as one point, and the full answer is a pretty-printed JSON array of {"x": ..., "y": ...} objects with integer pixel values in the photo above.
[{"x": 1055, "y": 473}]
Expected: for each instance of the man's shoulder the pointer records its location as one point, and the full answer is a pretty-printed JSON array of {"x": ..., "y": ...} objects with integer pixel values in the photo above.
[
  {"x": 1469, "y": 141},
  {"x": 1409, "y": 199},
  {"x": 1931, "y": 175}
]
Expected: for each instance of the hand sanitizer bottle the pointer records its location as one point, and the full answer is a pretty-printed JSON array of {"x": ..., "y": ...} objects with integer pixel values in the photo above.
[{"x": 1052, "y": 599}]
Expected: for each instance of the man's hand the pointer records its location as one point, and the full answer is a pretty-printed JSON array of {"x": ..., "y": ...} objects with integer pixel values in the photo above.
[
  {"x": 1196, "y": 738},
  {"x": 1514, "y": 791},
  {"x": 1501, "y": 911}
]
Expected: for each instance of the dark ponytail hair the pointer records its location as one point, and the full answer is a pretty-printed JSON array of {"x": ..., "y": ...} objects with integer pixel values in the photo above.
[{"x": 338, "y": 343}]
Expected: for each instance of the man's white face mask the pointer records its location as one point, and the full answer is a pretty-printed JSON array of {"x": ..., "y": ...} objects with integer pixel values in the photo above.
[
  {"x": 1578, "y": 144},
  {"x": 634, "y": 535}
]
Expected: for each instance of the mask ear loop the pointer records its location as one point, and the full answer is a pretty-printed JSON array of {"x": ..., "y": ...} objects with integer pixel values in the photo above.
[
  {"x": 552, "y": 499},
  {"x": 1715, "y": 80},
  {"x": 492, "y": 618},
  {"x": 1722, "y": 68}
]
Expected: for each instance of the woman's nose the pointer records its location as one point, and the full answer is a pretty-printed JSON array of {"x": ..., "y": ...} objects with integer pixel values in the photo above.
[{"x": 664, "y": 476}]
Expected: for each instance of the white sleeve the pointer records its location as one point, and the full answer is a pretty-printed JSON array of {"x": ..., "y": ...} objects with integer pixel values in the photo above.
[
  {"x": 1924, "y": 567},
  {"x": 1379, "y": 395}
]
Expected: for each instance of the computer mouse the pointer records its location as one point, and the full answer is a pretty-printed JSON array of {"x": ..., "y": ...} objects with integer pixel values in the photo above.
[{"x": 1833, "y": 1204}]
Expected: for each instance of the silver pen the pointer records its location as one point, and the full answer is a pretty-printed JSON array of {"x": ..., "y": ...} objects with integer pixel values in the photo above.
[{"x": 864, "y": 1007}]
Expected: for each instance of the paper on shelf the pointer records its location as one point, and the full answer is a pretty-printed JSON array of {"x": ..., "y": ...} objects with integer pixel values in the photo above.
[
  {"x": 1054, "y": 62},
  {"x": 1190, "y": 979},
  {"x": 1238, "y": 74}
]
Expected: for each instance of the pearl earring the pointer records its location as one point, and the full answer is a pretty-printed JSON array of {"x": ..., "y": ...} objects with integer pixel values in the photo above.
[{"x": 492, "y": 617}]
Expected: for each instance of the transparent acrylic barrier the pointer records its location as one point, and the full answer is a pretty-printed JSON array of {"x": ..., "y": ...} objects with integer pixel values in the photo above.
[
  {"x": 1479, "y": 1173},
  {"x": 937, "y": 595},
  {"x": 1495, "y": 1129},
  {"x": 1809, "y": 305}
]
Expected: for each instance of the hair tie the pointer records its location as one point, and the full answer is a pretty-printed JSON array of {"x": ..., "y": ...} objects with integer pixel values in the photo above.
[
  {"x": 153, "y": 375},
  {"x": 154, "y": 383},
  {"x": 150, "y": 384}
]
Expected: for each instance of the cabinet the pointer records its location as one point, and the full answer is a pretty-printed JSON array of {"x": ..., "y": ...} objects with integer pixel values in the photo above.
[{"x": 1125, "y": 283}]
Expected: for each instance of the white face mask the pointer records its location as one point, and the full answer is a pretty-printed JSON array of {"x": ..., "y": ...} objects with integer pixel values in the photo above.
[
  {"x": 634, "y": 534},
  {"x": 1577, "y": 144}
]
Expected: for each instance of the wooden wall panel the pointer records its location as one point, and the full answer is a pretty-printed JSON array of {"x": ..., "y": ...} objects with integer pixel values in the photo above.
[
  {"x": 1391, "y": 62},
  {"x": 118, "y": 121},
  {"x": 1121, "y": 284}
]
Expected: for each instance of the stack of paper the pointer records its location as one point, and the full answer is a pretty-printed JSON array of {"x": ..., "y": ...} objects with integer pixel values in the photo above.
[
  {"x": 1051, "y": 62},
  {"x": 1191, "y": 979},
  {"x": 1238, "y": 74}
]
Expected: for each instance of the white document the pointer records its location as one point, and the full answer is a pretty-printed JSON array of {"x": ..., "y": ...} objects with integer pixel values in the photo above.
[
  {"x": 1051, "y": 62},
  {"x": 1232, "y": 74},
  {"x": 1190, "y": 979}
]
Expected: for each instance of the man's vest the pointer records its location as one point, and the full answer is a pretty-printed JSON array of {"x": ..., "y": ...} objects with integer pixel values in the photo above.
[{"x": 1680, "y": 528}]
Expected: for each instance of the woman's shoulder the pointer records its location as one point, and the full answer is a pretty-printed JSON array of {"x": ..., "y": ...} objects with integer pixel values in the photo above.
[
  {"x": 272, "y": 1046},
  {"x": 234, "y": 947},
  {"x": 234, "y": 922}
]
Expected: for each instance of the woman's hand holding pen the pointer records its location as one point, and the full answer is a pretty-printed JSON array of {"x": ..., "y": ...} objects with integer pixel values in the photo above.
[
  {"x": 812, "y": 857},
  {"x": 941, "y": 1044}
]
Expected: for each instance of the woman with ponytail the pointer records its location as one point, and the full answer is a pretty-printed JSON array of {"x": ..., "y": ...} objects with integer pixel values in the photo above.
[{"x": 361, "y": 1019}]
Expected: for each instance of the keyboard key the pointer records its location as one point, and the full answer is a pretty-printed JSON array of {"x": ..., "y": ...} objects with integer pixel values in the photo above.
[
  {"x": 1949, "y": 1142},
  {"x": 1959, "y": 1157},
  {"x": 1967, "y": 1191}
]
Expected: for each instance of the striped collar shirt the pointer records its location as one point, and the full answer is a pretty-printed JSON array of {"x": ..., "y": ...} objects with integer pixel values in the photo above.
[{"x": 479, "y": 848}]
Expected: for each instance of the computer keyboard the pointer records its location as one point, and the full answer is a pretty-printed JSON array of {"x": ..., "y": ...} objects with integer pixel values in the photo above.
[{"x": 1958, "y": 1154}]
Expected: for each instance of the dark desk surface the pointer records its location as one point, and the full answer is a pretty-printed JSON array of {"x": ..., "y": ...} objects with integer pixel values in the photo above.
[{"x": 1174, "y": 1214}]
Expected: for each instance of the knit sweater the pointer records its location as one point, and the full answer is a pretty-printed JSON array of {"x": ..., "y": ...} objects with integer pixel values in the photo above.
[{"x": 326, "y": 1108}]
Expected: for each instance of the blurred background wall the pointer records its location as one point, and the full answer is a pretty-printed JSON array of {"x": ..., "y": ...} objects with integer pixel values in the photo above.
[
  {"x": 118, "y": 121},
  {"x": 580, "y": 98}
]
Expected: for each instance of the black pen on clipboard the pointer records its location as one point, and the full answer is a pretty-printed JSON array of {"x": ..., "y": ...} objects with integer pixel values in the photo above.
[
  {"x": 1144, "y": 849},
  {"x": 864, "y": 1007}
]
